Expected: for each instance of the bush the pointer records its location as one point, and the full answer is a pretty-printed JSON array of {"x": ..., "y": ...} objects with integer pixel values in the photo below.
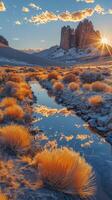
[
  {"x": 68, "y": 78},
  {"x": 90, "y": 77},
  {"x": 100, "y": 87},
  {"x": 87, "y": 86},
  {"x": 1, "y": 115},
  {"x": 18, "y": 90},
  {"x": 58, "y": 86},
  {"x": 3, "y": 196},
  {"x": 53, "y": 75},
  {"x": 95, "y": 100},
  {"x": 14, "y": 112},
  {"x": 73, "y": 86},
  {"x": 15, "y": 78},
  {"x": 65, "y": 171},
  {"x": 16, "y": 138},
  {"x": 8, "y": 101}
]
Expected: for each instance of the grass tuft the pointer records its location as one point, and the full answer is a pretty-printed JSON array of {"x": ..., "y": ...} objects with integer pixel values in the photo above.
[
  {"x": 14, "y": 112},
  {"x": 66, "y": 171},
  {"x": 15, "y": 137},
  {"x": 95, "y": 100}
]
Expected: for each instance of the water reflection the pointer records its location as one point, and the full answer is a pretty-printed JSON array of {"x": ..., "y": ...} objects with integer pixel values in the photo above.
[{"x": 63, "y": 128}]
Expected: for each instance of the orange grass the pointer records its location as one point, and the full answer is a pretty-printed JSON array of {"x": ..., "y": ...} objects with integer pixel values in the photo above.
[
  {"x": 1, "y": 115},
  {"x": 53, "y": 75},
  {"x": 95, "y": 100},
  {"x": 58, "y": 86},
  {"x": 15, "y": 137},
  {"x": 66, "y": 171},
  {"x": 68, "y": 78},
  {"x": 73, "y": 86},
  {"x": 14, "y": 112},
  {"x": 100, "y": 87},
  {"x": 8, "y": 101},
  {"x": 3, "y": 196},
  {"x": 87, "y": 86}
]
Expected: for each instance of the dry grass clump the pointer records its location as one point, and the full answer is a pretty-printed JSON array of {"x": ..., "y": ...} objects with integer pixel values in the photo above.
[
  {"x": 87, "y": 86},
  {"x": 1, "y": 115},
  {"x": 58, "y": 86},
  {"x": 15, "y": 137},
  {"x": 18, "y": 90},
  {"x": 53, "y": 81},
  {"x": 14, "y": 112},
  {"x": 68, "y": 78},
  {"x": 3, "y": 196},
  {"x": 66, "y": 171},
  {"x": 8, "y": 101},
  {"x": 73, "y": 86},
  {"x": 90, "y": 77},
  {"x": 53, "y": 75},
  {"x": 23, "y": 91},
  {"x": 95, "y": 100},
  {"x": 101, "y": 87},
  {"x": 15, "y": 78}
]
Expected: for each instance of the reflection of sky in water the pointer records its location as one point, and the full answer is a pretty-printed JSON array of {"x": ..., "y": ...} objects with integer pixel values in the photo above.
[
  {"x": 56, "y": 125},
  {"x": 71, "y": 131}
]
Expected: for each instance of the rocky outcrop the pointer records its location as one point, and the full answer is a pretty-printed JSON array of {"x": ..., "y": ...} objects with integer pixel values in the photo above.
[
  {"x": 81, "y": 37},
  {"x": 3, "y": 41}
]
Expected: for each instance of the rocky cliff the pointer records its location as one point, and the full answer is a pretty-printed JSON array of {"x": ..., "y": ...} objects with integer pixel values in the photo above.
[{"x": 81, "y": 37}]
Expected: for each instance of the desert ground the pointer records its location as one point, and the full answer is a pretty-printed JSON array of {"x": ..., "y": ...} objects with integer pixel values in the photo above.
[{"x": 56, "y": 132}]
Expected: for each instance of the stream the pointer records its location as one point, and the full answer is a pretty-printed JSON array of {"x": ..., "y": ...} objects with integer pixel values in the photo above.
[{"x": 63, "y": 128}]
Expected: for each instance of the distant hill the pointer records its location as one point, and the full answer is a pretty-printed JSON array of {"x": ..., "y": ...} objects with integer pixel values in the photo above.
[
  {"x": 3, "y": 42},
  {"x": 31, "y": 51},
  {"x": 12, "y": 56}
]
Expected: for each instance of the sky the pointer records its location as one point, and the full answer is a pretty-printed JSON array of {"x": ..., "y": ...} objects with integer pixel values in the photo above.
[{"x": 37, "y": 23}]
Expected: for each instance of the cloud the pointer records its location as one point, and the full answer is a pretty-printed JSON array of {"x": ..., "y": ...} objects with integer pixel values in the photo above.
[
  {"x": 42, "y": 41},
  {"x": 43, "y": 18},
  {"x": 16, "y": 39},
  {"x": 86, "y": 1},
  {"x": 89, "y": 1},
  {"x": 2, "y": 6},
  {"x": 25, "y": 9},
  {"x": 18, "y": 22},
  {"x": 99, "y": 9},
  {"x": 47, "y": 16},
  {"x": 110, "y": 11},
  {"x": 33, "y": 5},
  {"x": 76, "y": 16}
]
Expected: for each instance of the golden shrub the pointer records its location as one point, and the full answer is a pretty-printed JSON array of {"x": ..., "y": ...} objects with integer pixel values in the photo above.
[
  {"x": 95, "y": 100},
  {"x": 87, "y": 86},
  {"x": 66, "y": 171},
  {"x": 99, "y": 86},
  {"x": 73, "y": 86},
  {"x": 14, "y": 112},
  {"x": 1, "y": 115},
  {"x": 8, "y": 101},
  {"x": 69, "y": 77},
  {"x": 58, "y": 86},
  {"x": 15, "y": 137},
  {"x": 53, "y": 75},
  {"x": 15, "y": 78},
  {"x": 3, "y": 196}
]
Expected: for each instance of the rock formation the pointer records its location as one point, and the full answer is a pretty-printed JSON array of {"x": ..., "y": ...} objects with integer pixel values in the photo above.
[
  {"x": 81, "y": 37},
  {"x": 3, "y": 41}
]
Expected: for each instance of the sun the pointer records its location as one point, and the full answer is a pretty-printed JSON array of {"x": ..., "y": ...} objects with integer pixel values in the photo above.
[{"x": 104, "y": 40}]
